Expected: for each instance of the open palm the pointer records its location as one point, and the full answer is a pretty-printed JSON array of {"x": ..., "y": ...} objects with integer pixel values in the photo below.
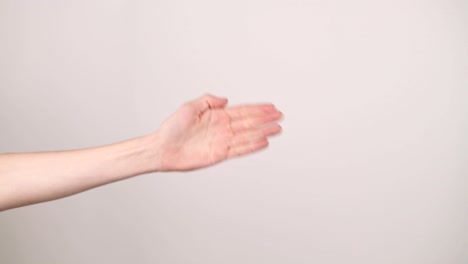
[{"x": 204, "y": 132}]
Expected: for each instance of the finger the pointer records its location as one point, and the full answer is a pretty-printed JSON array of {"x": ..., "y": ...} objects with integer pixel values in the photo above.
[
  {"x": 245, "y": 111},
  {"x": 252, "y": 140},
  {"x": 208, "y": 101},
  {"x": 247, "y": 137},
  {"x": 254, "y": 121},
  {"x": 272, "y": 130},
  {"x": 244, "y": 149}
]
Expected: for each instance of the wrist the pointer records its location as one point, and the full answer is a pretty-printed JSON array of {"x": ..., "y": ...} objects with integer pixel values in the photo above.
[
  {"x": 149, "y": 152},
  {"x": 129, "y": 158}
]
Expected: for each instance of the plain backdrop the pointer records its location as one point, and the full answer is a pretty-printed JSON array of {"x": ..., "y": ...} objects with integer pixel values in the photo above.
[{"x": 371, "y": 167}]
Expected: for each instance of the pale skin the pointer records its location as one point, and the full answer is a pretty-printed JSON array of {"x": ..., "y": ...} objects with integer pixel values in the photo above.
[{"x": 201, "y": 133}]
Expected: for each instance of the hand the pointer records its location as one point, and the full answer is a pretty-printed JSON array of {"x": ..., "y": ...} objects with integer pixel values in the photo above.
[{"x": 204, "y": 132}]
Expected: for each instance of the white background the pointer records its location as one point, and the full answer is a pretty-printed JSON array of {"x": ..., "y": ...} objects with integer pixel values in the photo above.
[{"x": 371, "y": 166}]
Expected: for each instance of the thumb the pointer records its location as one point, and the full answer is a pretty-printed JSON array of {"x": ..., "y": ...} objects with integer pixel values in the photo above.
[{"x": 209, "y": 101}]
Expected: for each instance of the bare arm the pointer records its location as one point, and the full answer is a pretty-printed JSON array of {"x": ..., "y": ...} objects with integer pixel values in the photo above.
[{"x": 201, "y": 133}]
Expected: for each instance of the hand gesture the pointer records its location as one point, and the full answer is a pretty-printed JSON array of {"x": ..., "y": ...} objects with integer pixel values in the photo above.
[{"x": 204, "y": 132}]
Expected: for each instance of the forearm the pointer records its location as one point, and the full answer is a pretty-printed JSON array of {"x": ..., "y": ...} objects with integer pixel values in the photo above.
[{"x": 38, "y": 177}]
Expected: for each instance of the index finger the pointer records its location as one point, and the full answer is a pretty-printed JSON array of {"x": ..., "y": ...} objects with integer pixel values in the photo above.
[{"x": 246, "y": 111}]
